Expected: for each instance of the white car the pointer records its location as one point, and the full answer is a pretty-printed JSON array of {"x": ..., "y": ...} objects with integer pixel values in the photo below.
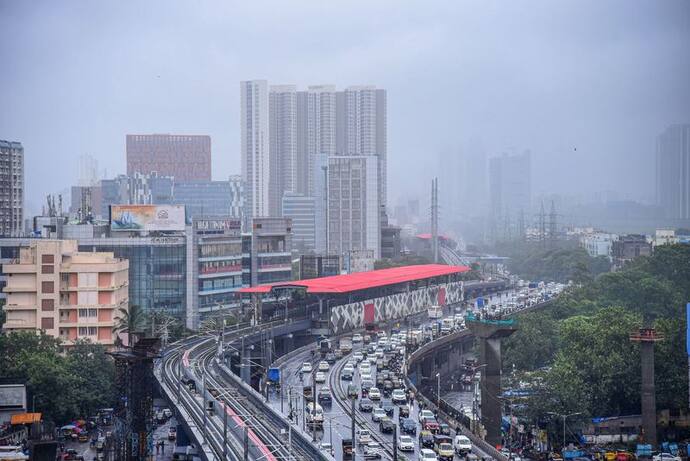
[
  {"x": 375, "y": 394},
  {"x": 324, "y": 366},
  {"x": 427, "y": 455},
  {"x": 377, "y": 414},
  {"x": 357, "y": 338},
  {"x": 365, "y": 367},
  {"x": 306, "y": 368},
  {"x": 372, "y": 450},
  {"x": 366, "y": 377},
  {"x": 398, "y": 396},
  {"x": 363, "y": 436},
  {"x": 462, "y": 445},
  {"x": 405, "y": 443},
  {"x": 320, "y": 377},
  {"x": 665, "y": 457},
  {"x": 358, "y": 357},
  {"x": 426, "y": 414}
]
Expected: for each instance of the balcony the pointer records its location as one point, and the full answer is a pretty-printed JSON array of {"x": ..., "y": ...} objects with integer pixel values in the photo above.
[
  {"x": 20, "y": 289},
  {"x": 15, "y": 268},
  {"x": 20, "y": 307}
]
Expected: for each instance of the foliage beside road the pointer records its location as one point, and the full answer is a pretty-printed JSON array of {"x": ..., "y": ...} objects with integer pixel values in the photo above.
[
  {"x": 534, "y": 261},
  {"x": 65, "y": 386},
  {"x": 578, "y": 352}
]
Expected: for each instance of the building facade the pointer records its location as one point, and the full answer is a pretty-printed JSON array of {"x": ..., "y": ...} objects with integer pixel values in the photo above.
[
  {"x": 69, "y": 294},
  {"x": 316, "y": 125},
  {"x": 209, "y": 198},
  {"x": 282, "y": 110},
  {"x": 135, "y": 189},
  {"x": 267, "y": 251},
  {"x": 354, "y": 222},
  {"x": 628, "y": 247},
  {"x": 255, "y": 147},
  {"x": 185, "y": 157},
  {"x": 300, "y": 210},
  {"x": 11, "y": 189},
  {"x": 510, "y": 185},
  {"x": 597, "y": 244},
  {"x": 673, "y": 172},
  {"x": 214, "y": 248}
]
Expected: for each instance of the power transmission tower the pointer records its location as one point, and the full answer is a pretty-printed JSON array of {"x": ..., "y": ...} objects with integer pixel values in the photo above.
[
  {"x": 553, "y": 226},
  {"x": 434, "y": 218},
  {"x": 542, "y": 225}
]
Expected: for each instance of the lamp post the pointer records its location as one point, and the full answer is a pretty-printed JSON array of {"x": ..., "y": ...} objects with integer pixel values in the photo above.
[
  {"x": 438, "y": 391},
  {"x": 564, "y": 416}
]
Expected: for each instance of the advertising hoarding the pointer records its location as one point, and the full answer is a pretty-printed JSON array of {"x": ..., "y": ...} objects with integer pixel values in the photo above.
[{"x": 147, "y": 218}]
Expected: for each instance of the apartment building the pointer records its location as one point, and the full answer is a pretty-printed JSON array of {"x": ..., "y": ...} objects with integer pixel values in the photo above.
[{"x": 69, "y": 294}]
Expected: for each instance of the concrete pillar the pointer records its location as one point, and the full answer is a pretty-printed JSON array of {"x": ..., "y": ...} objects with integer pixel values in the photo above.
[
  {"x": 490, "y": 354},
  {"x": 245, "y": 366},
  {"x": 648, "y": 393}
]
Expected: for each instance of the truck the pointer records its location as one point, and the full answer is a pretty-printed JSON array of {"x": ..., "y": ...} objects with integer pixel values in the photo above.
[{"x": 435, "y": 312}]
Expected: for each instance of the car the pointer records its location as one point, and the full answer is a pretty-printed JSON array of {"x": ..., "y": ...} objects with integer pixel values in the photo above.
[
  {"x": 427, "y": 455},
  {"x": 320, "y": 377},
  {"x": 366, "y": 339},
  {"x": 365, "y": 367},
  {"x": 374, "y": 393},
  {"x": 172, "y": 433},
  {"x": 426, "y": 439},
  {"x": 444, "y": 429},
  {"x": 445, "y": 451},
  {"x": 665, "y": 457},
  {"x": 365, "y": 376},
  {"x": 426, "y": 414},
  {"x": 403, "y": 411},
  {"x": 408, "y": 426},
  {"x": 405, "y": 443},
  {"x": 366, "y": 384},
  {"x": 347, "y": 374},
  {"x": 462, "y": 445},
  {"x": 378, "y": 414},
  {"x": 324, "y": 366},
  {"x": 330, "y": 358},
  {"x": 372, "y": 359},
  {"x": 357, "y": 338},
  {"x": 326, "y": 446},
  {"x": 389, "y": 408},
  {"x": 372, "y": 450},
  {"x": 386, "y": 426},
  {"x": 306, "y": 368},
  {"x": 352, "y": 391},
  {"x": 363, "y": 436},
  {"x": 398, "y": 396},
  {"x": 430, "y": 424},
  {"x": 358, "y": 357},
  {"x": 365, "y": 405},
  {"x": 471, "y": 457},
  {"x": 325, "y": 396}
]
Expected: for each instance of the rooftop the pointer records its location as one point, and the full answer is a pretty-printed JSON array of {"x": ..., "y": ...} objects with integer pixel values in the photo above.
[{"x": 363, "y": 280}]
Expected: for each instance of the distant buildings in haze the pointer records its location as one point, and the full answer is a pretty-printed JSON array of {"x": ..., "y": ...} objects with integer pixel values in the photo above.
[
  {"x": 673, "y": 172},
  {"x": 185, "y": 157},
  {"x": 11, "y": 188}
]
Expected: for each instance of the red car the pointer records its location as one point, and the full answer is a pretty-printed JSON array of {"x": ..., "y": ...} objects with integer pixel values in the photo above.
[{"x": 430, "y": 425}]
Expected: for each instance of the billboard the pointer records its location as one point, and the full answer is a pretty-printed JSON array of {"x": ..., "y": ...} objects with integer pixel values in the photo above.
[{"x": 147, "y": 217}]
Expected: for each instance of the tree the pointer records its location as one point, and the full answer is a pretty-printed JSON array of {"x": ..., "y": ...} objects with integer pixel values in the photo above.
[
  {"x": 131, "y": 321},
  {"x": 95, "y": 371},
  {"x": 534, "y": 344}
]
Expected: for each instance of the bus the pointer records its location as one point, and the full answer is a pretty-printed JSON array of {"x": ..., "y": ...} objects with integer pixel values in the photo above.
[{"x": 435, "y": 312}]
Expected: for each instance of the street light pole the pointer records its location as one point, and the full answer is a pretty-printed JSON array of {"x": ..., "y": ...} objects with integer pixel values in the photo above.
[
  {"x": 564, "y": 416},
  {"x": 438, "y": 391}
]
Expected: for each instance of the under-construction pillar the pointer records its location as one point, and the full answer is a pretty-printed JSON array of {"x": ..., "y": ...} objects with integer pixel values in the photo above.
[
  {"x": 489, "y": 333},
  {"x": 647, "y": 337}
]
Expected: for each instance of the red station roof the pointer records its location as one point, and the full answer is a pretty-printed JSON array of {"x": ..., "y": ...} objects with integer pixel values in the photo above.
[
  {"x": 428, "y": 237},
  {"x": 363, "y": 280}
]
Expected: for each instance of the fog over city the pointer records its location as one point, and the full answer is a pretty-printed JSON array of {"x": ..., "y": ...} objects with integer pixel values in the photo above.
[{"x": 586, "y": 86}]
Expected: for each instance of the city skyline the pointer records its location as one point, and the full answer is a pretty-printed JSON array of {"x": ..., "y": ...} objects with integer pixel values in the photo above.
[{"x": 442, "y": 91}]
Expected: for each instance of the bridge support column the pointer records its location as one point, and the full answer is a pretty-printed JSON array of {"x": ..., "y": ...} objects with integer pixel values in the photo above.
[
  {"x": 245, "y": 366},
  {"x": 489, "y": 334}
]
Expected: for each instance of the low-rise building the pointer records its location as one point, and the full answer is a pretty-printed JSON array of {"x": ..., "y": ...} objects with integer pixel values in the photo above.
[
  {"x": 69, "y": 294},
  {"x": 597, "y": 243},
  {"x": 628, "y": 247},
  {"x": 665, "y": 237}
]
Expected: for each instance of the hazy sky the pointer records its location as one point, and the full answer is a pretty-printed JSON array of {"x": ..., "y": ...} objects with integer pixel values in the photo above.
[{"x": 602, "y": 76}]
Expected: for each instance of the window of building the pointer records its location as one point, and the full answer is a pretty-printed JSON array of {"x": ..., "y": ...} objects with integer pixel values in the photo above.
[
  {"x": 47, "y": 304},
  {"x": 48, "y": 287},
  {"x": 48, "y": 259},
  {"x": 47, "y": 269},
  {"x": 47, "y": 323}
]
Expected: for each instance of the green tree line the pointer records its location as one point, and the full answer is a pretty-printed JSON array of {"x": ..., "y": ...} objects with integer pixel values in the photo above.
[{"x": 577, "y": 350}]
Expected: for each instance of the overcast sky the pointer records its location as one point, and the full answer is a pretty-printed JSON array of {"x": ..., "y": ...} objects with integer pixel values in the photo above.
[{"x": 604, "y": 77}]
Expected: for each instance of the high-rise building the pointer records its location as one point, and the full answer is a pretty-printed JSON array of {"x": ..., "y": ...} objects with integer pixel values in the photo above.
[
  {"x": 510, "y": 185},
  {"x": 69, "y": 294},
  {"x": 136, "y": 189},
  {"x": 354, "y": 221},
  {"x": 209, "y": 198},
  {"x": 255, "y": 147},
  {"x": 361, "y": 128},
  {"x": 316, "y": 132},
  {"x": 282, "y": 109},
  {"x": 185, "y": 157},
  {"x": 673, "y": 172},
  {"x": 11, "y": 189},
  {"x": 300, "y": 209}
]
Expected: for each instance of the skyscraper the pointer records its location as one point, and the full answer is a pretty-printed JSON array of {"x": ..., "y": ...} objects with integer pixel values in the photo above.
[
  {"x": 255, "y": 147},
  {"x": 185, "y": 157},
  {"x": 510, "y": 184},
  {"x": 282, "y": 110},
  {"x": 11, "y": 188},
  {"x": 673, "y": 171},
  {"x": 361, "y": 113}
]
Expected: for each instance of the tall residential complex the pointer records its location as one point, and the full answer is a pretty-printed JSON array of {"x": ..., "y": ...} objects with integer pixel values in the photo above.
[
  {"x": 283, "y": 131},
  {"x": 510, "y": 185},
  {"x": 69, "y": 294},
  {"x": 354, "y": 222},
  {"x": 185, "y": 157},
  {"x": 11, "y": 188},
  {"x": 673, "y": 172},
  {"x": 255, "y": 142}
]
